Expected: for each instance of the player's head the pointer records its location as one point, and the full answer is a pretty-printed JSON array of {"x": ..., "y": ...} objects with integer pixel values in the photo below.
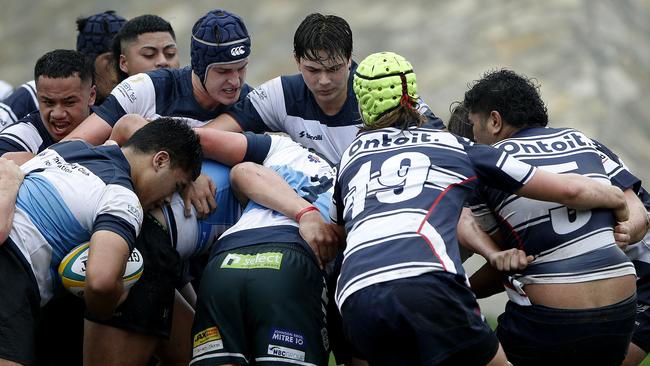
[
  {"x": 504, "y": 97},
  {"x": 94, "y": 39},
  {"x": 459, "y": 122},
  {"x": 146, "y": 42},
  {"x": 322, "y": 47},
  {"x": 219, "y": 54},
  {"x": 386, "y": 90},
  {"x": 65, "y": 90},
  {"x": 165, "y": 155}
]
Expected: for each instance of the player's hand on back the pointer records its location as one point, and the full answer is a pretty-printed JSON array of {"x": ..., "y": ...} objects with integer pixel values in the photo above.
[
  {"x": 200, "y": 194},
  {"x": 321, "y": 236},
  {"x": 509, "y": 260}
]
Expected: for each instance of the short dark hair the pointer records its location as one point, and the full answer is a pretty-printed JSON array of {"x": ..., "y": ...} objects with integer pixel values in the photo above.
[
  {"x": 174, "y": 136},
  {"x": 319, "y": 32},
  {"x": 515, "y": 97},
  {"x": 65, "y": 63},
  {"x": 459, "y": 122},
  {"x": 147, "y": 23}
]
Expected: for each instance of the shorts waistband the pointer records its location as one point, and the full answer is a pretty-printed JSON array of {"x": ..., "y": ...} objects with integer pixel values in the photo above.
[{"x": 617, "y": 311}]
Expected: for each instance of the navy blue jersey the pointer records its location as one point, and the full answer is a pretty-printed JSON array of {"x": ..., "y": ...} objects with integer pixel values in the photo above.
[
  {"x": 400, "y": 193},
  {"x": 28, "y": 134},
  {"x": 308, "y": 174},
  {"x": 285, "y": 104},
  {"x": 569, "y": 245},
  {"x": 53, "y": 215},
  {"x": 159, "y": 93},
  {"x": 18, "y": 104}
]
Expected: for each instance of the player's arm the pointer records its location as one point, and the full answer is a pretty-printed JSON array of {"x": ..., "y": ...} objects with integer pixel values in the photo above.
[
  {"x": 265, "y": 187},
  {"x": 487, "y": 281},
  {"x": 228, "y": 148},
  {"x": 224, "y": 122},
  {"x": 125, "y": 127},
  {"x": 575, "y": 191},
  {"x": 94, "y": 130},
  {"x": 472, "y": 237},
  {"x": 106, "y": 263},
  {"x": 11, "y": 177},
  {"x": 636, "y": 227}
]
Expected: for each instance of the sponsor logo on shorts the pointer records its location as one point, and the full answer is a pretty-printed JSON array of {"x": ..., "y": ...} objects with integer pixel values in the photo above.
[
  {"x": 207, "y": 340},
  {"x": 641, "y": 308},
  {"x": 287, "y": 337},
  {"x": 285, "y": 352},
  {"x": 252, "y": 261}
]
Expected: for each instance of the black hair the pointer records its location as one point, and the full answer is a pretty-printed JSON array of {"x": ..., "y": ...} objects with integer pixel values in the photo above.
[
  {"x": 459, "y": 122},
  {"x": 65, "y": 63},
  {"x": 173, "y": 136},
  {"x": 147, "y": 23},
  {"x": 515, "y": 97},
  {"x": 319, "y": 32}
]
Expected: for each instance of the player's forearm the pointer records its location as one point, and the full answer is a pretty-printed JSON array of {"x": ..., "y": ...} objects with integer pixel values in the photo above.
[
  {"x": 472, "y": 237},
  {"x": 267, "y": 188},
  {"x": 639, "y": 220},
  {"x": 228, "y": 148},
  {"x": 94, "y": 130},
  {"x": 486, "y": 282}
]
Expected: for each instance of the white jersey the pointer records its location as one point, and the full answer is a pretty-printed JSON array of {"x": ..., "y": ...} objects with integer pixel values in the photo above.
[{"x": 53, "y": 215}]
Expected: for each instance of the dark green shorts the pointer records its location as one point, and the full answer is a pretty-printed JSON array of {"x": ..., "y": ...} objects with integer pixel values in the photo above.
[{"x": 261, "y": 304}]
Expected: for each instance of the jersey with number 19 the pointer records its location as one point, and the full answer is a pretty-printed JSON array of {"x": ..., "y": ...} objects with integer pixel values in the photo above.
[{"x": 400, "y": 194}]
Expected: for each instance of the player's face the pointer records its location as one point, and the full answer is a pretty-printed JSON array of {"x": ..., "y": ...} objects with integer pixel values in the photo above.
[
  {"x": 480, "y": 129},
  {"x": 224, "y": 82},
  {"x": 327, "y": 80},
  {"x": 160, "y": 184},
  {"x": 64, "y": 103},
  {"x": 148, "y": 52}
]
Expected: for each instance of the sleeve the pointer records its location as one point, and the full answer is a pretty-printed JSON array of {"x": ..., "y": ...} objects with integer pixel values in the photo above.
[
  {"x": 136, "y": 95},
  {"x": 497, "y": 168},
  {"x": 432, "y": 120},
  {"x": 263, "y": 109},
  {"x": 20, "y": 103},
  {"x": 20, "y": 137},
  {"x": 119, "y": 211},
  {"x": 483, "y": 215},
  {"x": 336, "y": 208},
  {"x": 258, "y": 147},
  {"x": 616, "y": 169}
]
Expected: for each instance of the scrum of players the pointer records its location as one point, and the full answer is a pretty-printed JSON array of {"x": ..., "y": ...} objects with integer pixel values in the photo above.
[{"x": 284, "y": 248}]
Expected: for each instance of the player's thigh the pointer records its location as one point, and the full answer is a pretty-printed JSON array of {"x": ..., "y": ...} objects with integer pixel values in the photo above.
[
  {"x": 218, "y": 331},
  {"x": 286, "y": 307},
  {"x": 177, "y": 349},
  {"x": 105, "y": 345}
]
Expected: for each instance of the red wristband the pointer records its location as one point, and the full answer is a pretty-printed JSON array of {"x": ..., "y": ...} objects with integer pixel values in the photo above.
[{"x": 304, "y": 211}]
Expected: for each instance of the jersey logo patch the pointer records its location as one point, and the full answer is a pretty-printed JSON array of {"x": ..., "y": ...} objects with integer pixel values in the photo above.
[
  {"x": 253, "y": 261},
  {"x": 207, "y": 340},
  {"x": 285, "y": 352}
]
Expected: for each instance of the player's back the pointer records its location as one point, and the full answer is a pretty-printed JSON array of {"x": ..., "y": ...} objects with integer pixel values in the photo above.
[
  {"x": 569, "y": 245},
  {"x": 400, "y": 194}
]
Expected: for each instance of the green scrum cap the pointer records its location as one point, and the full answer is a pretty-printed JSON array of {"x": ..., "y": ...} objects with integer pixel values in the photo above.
[{"x": 381, "y": 83}]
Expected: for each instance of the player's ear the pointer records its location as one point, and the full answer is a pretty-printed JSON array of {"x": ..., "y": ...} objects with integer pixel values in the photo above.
[
  {"x": 495, "y": 123},
  {"x": 161, "y": 160},
  {"x": 123, "y": 65}
]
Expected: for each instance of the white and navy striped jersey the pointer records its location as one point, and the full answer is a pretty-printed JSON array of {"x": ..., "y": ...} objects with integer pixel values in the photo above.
[
  {"x": 159, "y": 93},
  {"x": 308, "y": 174},
  {"x": 285, "y": 104},
  {"x": 400, "y": 193},
  {"x": 18, "y": 104},
  {"x": 191, "y": 236},
  {"x": 569, "y": 245},
  {"x": 53, "y": 215},
  {"x": 28, "y": 134}
]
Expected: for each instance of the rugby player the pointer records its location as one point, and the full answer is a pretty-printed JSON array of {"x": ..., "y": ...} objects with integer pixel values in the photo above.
[
  {"x": 144, "y": 43},
  {"x": 93, "y": 40},
  {"x": 575, "y": 302},
  {"x": 399, "y": 193},
  {"x": 118, "y": 183},
  {"x": 65, "y": 91},
  {"x": 316, "y": 107}
]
